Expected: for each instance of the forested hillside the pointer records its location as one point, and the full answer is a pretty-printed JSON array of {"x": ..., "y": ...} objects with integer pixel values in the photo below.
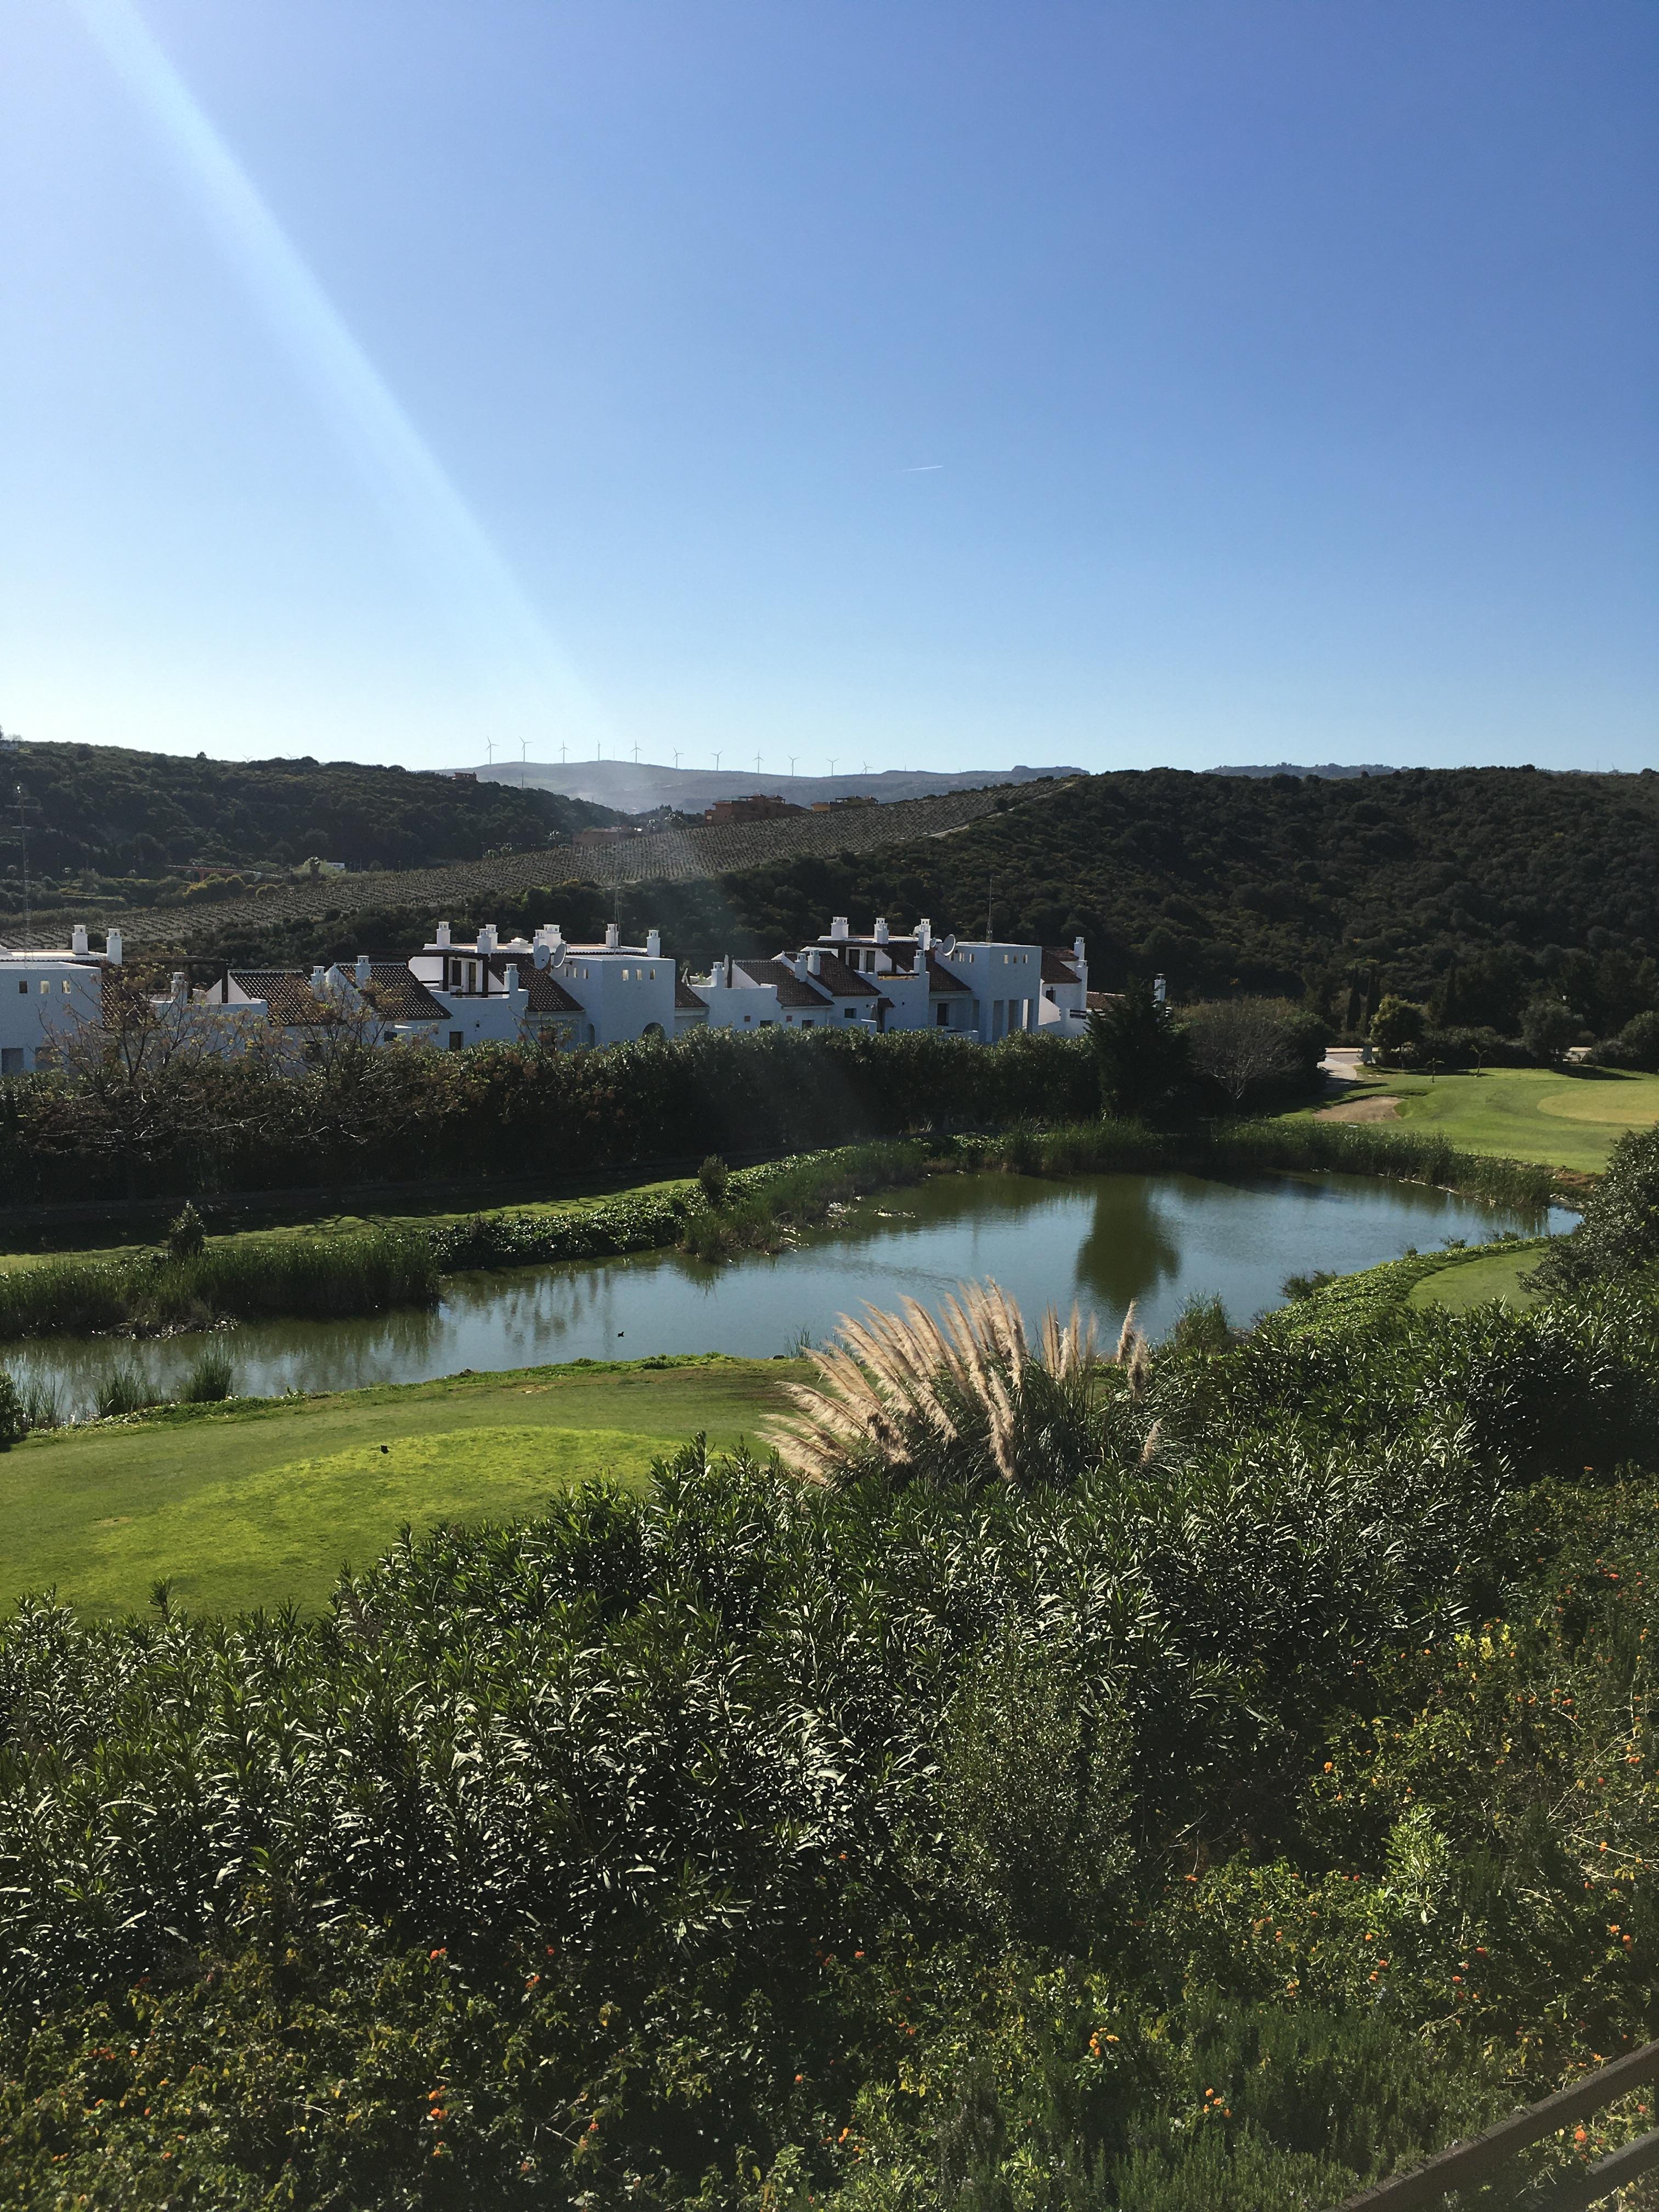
[
  {"x": 104, "y": 810},
  {"x": 1282, "y": 883}
]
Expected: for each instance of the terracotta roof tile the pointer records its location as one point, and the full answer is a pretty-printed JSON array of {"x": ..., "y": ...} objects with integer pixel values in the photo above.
[
  {"x": 686, "y": 998},
  {"x": 791, "y": 991},
  {"x": 941, "y": 979},
  {"x": 1057, "y": 967}
]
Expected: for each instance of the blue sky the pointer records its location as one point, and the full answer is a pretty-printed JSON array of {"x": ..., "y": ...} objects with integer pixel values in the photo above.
[{"x": 927, "y": 385}]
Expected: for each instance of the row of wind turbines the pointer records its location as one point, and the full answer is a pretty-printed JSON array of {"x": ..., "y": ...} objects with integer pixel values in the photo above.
[{"x": 564, "y": 755}]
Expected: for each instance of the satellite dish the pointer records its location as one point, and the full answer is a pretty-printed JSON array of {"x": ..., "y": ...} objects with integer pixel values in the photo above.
[
  {"x": 555, "y": 958},
  {"x": 948, "y": 947}
]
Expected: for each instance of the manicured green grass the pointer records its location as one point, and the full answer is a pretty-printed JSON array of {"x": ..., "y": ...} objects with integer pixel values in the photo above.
[
  {"x": 1559, "y": 1120},
  {"x": 1496, "y": 1274},
  {"x": 256, "y": 1504}
]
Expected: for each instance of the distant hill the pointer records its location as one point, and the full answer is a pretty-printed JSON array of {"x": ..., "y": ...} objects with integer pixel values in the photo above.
[
  {"x": 643, "y": 786},
  {"x": 1331, "y": 767},
  {"x": 104, "y": 812}
]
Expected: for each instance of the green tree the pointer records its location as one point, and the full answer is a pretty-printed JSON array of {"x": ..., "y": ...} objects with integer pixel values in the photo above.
[
  {"x": 1548, "y": 1026},
  {"x": 1397, "y": 1026},
  {"x": 1142, "y": 1053},
  {"x": 13, "y": 1423}
]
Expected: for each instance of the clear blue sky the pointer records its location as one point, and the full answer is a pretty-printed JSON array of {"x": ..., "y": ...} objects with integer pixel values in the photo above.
[{"x": 916, "y": 382}]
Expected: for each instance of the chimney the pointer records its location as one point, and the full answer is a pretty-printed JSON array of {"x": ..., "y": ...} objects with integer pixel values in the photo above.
[
  {"x": 815, "y": 961},
  {"x": 362, "y": 971},
  {"x": 514, "y": 981},
  {"x": 318, "y": 981},
  {"x": 486, "y": 938},
  {"x": 728, "y": 971},
  {"x": 1160, "y": 990},
  {"x": 78, "y": 937},
  {"x": 798, "y": 965},
  {"x": 1076, "y": 948},
  {"x": 653, "y": 945},
  {"x": 180, "y": 988},
  {"x": 612, "y": 936},
  {"x": 113, "y": 948},
  {"x": 881, "y": 929},
  {"x": 925, "y": 934},
  {"x": 441, "y": 936},
  {"x": 838, "y": 929}
]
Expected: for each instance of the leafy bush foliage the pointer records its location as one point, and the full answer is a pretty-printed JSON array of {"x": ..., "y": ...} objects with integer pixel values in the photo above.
[
  {"x": 1143, "y": 1055},
  {"x": 1619, "y": 1236},
  {"x": 1225, "y": 1830},
  {"x": 14, "y": 1420}
]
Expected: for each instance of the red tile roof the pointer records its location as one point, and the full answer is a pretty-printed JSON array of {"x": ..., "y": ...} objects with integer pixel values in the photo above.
[
  {"x": 941, "y": 979},
  {"x": 287, "y": 992},
  {"x": 842, "y": 981},
  {"x": 791, "y": 991},
  {"x": 686, "y": 998},
  {"x": 1057, "y": 967},
  {"x": 545, "y": 994}
]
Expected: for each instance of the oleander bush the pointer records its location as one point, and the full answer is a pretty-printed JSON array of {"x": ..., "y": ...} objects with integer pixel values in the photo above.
[{"x": 1218, "y": 1828}]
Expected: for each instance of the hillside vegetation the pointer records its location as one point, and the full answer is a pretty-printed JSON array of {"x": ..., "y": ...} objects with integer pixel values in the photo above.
[
  {"x": 102, "y": 818},
  {"x": 1473, "y": 889}
]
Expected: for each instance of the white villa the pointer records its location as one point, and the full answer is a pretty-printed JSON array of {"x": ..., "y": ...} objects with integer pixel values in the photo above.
[
  {"x": 451, "y": 994},
  {"x": 987, "y": 990}
]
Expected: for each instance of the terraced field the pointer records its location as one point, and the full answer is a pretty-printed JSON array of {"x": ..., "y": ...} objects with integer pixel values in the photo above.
[{"x": 676, "y": 856}]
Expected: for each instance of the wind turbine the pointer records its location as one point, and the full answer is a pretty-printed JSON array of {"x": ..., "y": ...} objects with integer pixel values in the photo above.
[
  {"x": 757, "y": 763},
  {"x": 717, "y": 761},
  {"x": 794, "y": 757},
  {"x": 832, "y": 767},
  {"x": 637, "y": 755},
  {"x": 563, "y": 751},
  {"x": 490, "y": 747},
  {"x": 676, "y": 760},
  {"x": 523, "y": 762}
]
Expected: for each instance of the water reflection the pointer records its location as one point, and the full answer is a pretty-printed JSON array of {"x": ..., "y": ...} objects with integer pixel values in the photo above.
[{"x": 1103, "y": 1239}]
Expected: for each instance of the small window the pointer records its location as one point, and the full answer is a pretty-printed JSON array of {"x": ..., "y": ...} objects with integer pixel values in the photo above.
[
  {"x": 457, "y": 1039},
  {"x": 943, "y": 1018},
  {"x": 749, "y": 1017},
  {"x": 849, "y": 1013},
  {"x": 22, "y": 990},
  {"x": 45, "y": 987},
  {"x": 11, "y": 1059},
  {"x": 66, "y": 987}
]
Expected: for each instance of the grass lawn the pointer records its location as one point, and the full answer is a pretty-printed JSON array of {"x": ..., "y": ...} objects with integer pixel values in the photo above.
[
  {"x": 1558, "y": 1119},
  {"x": 1471, "y": 1281},
  {"x": 339, "y": 1224},
  {"x": 242, "y": 1505}
]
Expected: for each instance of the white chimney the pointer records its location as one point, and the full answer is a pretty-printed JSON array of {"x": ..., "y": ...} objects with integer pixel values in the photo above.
[
  {"x": 798, "y": 965},
  {"x": 815, "y": 961},
  {"x": 180, "y": 988},
  {"x": 486, "y": 938},
  {"x": 514, "y": 981},
  {"x": 441, "y": 935},
  {"x": 1076, "y": 948},
  {"x": 838, "y": 928},
  {"x": 881, "y": 929},
  {"x": 925, "y": 934},
  {"x": 113, "y": 948},
  {"x": 612, "y": 936},
  {"x": 318, "y": 981},
  {"x": 78, "y": 937},
  {"x": 653, "y": 945},
  {"x": 1160, "y": 990},
  {"x": 362, "y": 971}
]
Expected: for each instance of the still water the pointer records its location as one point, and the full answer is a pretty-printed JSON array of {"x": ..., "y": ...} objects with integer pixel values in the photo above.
[{"x": 1103, "y": 1240}]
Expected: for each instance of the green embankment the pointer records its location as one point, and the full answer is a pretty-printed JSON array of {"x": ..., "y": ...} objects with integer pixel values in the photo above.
[
  {"x": 259, "y": 1502},
  {"x": 1557, "y": 1119}
]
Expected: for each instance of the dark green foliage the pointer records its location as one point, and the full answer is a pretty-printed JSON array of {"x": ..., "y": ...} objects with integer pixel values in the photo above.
[
  {"x": 14, "y": 1420},
  {"x": 125, "y": 1390},
  {"x": 186, "y": 1236},
  {"x": 1637, "y": 1045},
  {"x": 1143, "y": 1056},
  {"x": 1201, "y": 1325},
  {"x": 1548, "y": 1026},
  {"x": 1619, "y": 1236},
  {"x": 1397, "y": 1028},
  {"x": 119, "y": 814},
  {"x": 1304, "y": 1286},
  {"x": 1253, "y": 1054},
  {"x": 1341, "y": 889},
  {"x": 714, "y": 1177}
]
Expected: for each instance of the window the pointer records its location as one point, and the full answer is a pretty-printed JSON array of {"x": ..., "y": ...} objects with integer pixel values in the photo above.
[
  {"x": 943, "y": 1018},
  {"x": 457, "y": 1039},
  {"x": 11, "y": 1059},
  {"x": 22, "y": 990},
  {"x": 749, "y": 1017},
  {"x": 66, "y": 987},
  {"x": 45, "y": 987},
  {"x": 806, "y": 1021},
  {"x": 849, "y": 1013}
]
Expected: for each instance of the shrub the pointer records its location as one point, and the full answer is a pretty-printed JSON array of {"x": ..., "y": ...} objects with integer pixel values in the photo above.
[
  {"x": 1637, "y": 1044},
  {"x": 1201, "y": 1325},
  {"x": 1397, "y": 1027},
  {"x": 714, "y": 1177},
  {"x": 210, "y": 1379},
  {"x": 14, "y": 1420},
  {"x": 125, "y": 1389},
  {"x": 186, "y": 1236},
  {"x": 1619, "y": 1236},
  {"x": 1142, "y": 1056},
  {"x": 1255, "y": 1052}
]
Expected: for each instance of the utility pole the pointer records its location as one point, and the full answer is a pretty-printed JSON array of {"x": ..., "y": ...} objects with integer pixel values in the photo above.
[{"x": 23, "y": 839}]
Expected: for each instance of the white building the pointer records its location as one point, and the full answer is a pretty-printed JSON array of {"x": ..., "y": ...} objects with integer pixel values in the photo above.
[
  {"x": 986, "y": 990},
  {"x": 44, "y": 994},
  {"x": 607, "y": 994}
]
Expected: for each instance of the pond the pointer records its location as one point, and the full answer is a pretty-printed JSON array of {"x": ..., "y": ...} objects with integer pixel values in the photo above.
[{"x": 1103, "y": 1240}]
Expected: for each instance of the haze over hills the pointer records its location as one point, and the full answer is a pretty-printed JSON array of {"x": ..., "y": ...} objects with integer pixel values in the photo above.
[{"x": 643, "y": 786}]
